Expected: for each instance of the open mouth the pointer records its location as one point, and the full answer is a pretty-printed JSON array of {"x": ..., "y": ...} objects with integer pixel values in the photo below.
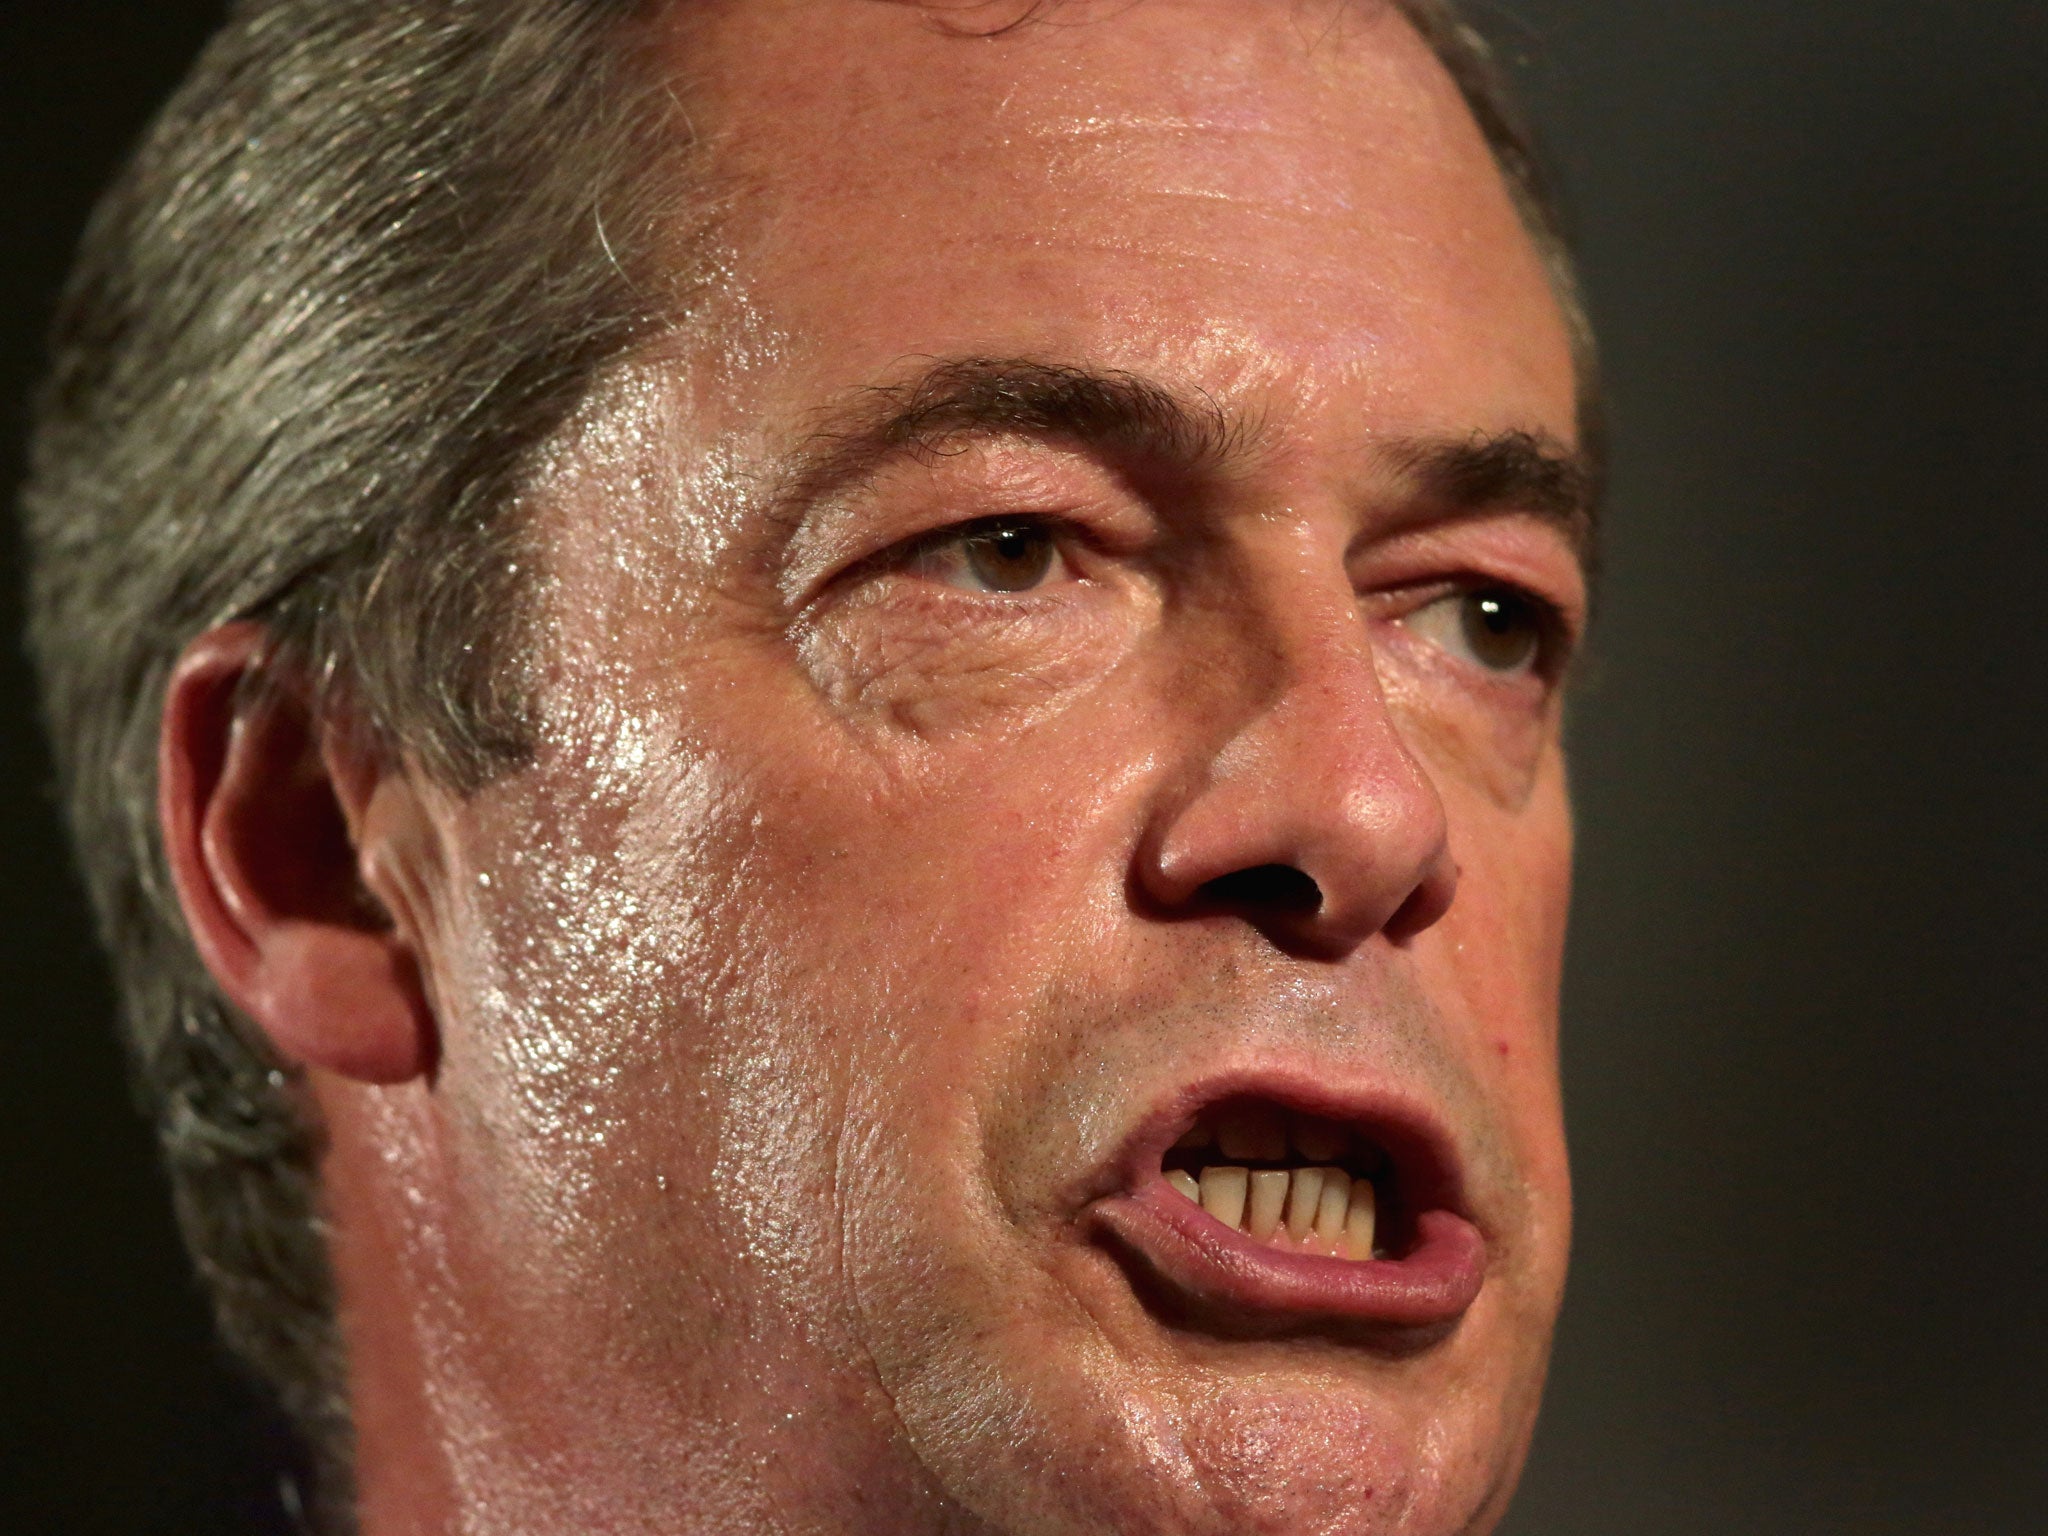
[
  {"x": 1297, "y": 1182},
  {"x": 1257, "y": 1213}
]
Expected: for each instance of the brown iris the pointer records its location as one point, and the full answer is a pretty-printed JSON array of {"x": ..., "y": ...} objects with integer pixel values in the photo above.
[
  {"x": 1502, "y": 626},
  {"x": 1009, "y": 557}
]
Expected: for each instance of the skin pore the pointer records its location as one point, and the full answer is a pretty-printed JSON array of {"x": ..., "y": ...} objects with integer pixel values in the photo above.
[{"x": 1076, "y": 629}]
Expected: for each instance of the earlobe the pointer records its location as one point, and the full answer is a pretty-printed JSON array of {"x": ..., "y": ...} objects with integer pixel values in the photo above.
[{"x": 261, "y": 815}]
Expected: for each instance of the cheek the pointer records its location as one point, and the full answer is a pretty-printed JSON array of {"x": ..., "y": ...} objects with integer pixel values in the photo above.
[
  {"x": 930, "y": 665},
  {"x": 920, "y": 900},
  {"x": 1495, "y": 961},
  {"x": 643, "y": 1107},
  {"x": 1493, "y": 738},
  {"x": 736, "y": 964},
  {"x": 1502, "y": 941}
]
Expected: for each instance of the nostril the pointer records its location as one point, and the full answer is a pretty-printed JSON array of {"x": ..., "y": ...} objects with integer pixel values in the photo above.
[{"x": 1269, "y": 888}]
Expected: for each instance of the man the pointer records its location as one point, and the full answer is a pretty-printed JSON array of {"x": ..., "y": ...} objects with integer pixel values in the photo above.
[{"x": 856, "y": 707}]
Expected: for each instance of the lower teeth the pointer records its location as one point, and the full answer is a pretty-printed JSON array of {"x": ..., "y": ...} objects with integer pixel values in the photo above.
[{"x": 1302, "y": 1210}]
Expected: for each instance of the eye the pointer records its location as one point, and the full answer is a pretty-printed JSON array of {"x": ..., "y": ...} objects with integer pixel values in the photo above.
[
  {"x": 997, "y": 555},
  {"x": 1499, "y": 629}
]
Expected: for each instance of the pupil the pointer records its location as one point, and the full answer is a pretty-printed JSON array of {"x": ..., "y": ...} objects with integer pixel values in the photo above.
[
  {"x": 1011, "y": 559},
  {"x": 1501, "y": 629}
]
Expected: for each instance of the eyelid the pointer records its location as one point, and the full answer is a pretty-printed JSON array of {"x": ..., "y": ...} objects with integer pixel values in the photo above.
[
  {"x": 905, "y": 552},
  {"x": 1516, "y": 551},
  {"x": 1559, "y": 635},
  {"x": 908, "y": 499},
  {"x": 974, "y": 527}
]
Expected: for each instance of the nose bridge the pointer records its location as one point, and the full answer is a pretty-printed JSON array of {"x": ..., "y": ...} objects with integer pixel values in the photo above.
[
  {"x": 1342, "y": 769},
  {"x": 1322, "y": 666},
  {"x": 1303, "y": 768}
]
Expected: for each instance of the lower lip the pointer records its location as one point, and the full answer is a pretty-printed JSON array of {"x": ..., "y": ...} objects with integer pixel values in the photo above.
[{"x": 1224, "y": 1278}]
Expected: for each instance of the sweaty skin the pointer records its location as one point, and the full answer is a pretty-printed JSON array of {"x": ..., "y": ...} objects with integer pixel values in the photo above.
[{"x": 797, "y": 1001}]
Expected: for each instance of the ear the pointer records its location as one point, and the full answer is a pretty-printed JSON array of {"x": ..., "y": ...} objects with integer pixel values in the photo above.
[{"x": 275, "y": 825}]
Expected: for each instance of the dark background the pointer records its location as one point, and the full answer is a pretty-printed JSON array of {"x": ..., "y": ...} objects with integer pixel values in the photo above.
[{"x": 1805, "y": 1056}]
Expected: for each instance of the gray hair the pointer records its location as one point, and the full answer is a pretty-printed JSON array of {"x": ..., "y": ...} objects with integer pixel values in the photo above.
[{"x": 368, "y": 261}]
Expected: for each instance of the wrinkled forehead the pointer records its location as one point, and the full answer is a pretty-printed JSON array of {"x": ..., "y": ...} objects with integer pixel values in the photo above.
[
  {"x": 1088, "y": 93},
  {"x": 1193, "y": 185}
]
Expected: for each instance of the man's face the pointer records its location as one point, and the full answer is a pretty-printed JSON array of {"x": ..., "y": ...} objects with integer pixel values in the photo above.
[{"x": 1060, "y": 659}]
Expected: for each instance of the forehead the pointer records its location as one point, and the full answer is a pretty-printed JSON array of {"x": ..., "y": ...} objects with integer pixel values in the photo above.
[{"x": 1238, "y": 195}]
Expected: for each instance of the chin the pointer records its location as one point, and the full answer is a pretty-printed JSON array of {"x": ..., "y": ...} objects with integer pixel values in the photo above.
[
  {"x": 1083, "y": 1411},
  {"x": 1332, "y": 1462},
  {"x": 1247, "y": 1297},
  {"x": 1232, "y": 1454}
]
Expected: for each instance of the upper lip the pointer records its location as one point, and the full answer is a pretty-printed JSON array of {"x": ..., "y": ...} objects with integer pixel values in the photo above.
[{"x": 1210, "y": 1275}]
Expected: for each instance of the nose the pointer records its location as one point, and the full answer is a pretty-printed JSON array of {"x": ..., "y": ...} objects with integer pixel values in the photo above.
[{"x": 1305, "y": 814}]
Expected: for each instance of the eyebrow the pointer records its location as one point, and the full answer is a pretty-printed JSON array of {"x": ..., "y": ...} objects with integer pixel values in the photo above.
[
  {"x": 1520, "y": 471},
  {"x": 955, "y": 401}
]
